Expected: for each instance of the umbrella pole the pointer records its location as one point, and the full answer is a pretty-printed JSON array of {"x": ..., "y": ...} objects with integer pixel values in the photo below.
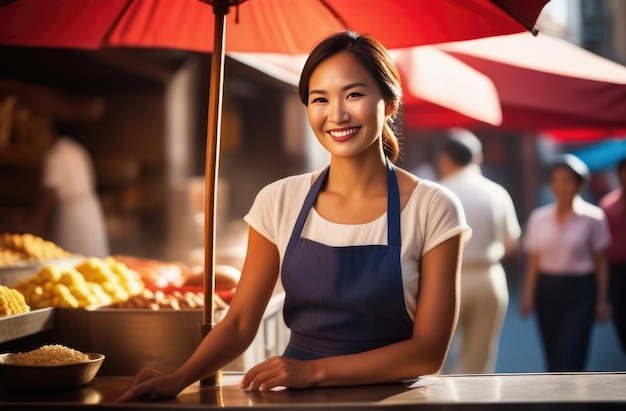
[{"x": 220, "y": 9}]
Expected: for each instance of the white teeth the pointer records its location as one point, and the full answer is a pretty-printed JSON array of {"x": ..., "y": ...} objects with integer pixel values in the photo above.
[{"x": 343, "y": 133}]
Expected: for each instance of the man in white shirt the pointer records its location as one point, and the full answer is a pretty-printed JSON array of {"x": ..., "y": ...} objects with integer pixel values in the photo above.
[
  {"x": 69, "y": 202},
  {"x": 496, "y": 230}
]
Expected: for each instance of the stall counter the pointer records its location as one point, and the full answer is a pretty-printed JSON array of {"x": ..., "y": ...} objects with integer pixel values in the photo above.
[{"x": 574, "y": 391}]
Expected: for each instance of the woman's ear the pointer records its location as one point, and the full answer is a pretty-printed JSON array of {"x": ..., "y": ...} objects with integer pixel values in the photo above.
[{"x": 391, "y": 107}]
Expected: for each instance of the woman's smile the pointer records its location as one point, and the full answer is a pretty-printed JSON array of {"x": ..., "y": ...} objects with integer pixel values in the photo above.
[{"x": 343, "y": 134}]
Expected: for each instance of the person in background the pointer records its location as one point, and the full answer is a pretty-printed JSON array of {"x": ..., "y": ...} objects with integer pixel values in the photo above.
[
  {"x": 69, "y": 209},
  {"x": 490, "y": 213},
  {"x": 566, "y": 277},
  {"x": 368, "y": 253},
  {"x": 614, "y": 206}
]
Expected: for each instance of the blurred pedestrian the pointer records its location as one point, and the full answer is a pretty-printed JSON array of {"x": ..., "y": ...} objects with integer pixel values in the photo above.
[
  {"x": 566, "y": 278},
  {"x": 490, "y": 213},
  {"x": 614, "y": 206},
  {"x": 70, "y": 212}
]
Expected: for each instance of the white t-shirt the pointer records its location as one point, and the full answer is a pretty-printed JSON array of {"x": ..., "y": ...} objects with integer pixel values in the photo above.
[
  {"x": 432, "y": 215},
  {"x": 567, "y": 248},
  {"x": 489, "y": 211}
]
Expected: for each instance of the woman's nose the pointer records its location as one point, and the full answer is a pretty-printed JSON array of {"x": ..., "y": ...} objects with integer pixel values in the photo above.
[{"x": 338, "y": 112}]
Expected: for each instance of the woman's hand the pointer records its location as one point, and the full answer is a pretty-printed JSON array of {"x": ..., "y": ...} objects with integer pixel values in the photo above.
[
  {"x": 151, "y": 385},
  {"x": 531, "y": 277},
  {"x": 279, "y": 372},
  {"x": 527, "y": 305}
]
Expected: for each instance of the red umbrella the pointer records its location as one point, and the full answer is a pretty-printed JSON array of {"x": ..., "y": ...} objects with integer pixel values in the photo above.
[
  {"x": 514, "y": 82},
  {"x": 279, "y": 26},
  {"x": 285, "y": 26}
]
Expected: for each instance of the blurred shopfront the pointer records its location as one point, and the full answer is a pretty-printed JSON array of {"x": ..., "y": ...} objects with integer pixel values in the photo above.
[{"x": 142, "y": 116}]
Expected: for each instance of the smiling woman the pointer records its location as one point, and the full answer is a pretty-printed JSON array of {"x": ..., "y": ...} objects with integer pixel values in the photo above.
[{"x": 365, "y": 251}]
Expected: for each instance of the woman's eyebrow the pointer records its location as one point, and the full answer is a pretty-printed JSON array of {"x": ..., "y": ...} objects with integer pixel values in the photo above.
[{"x": 347, "y": 87}]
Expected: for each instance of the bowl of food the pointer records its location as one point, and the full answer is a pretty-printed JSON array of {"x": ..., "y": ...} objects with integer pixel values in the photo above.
[{"x": 49, "y": 368}]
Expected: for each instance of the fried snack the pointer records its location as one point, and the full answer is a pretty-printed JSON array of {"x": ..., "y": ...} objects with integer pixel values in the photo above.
[
  {"x": 17, "y": 248},
  {"x": 175, "y": 300},
  {"x": 93, "y": 281},
  {"x": 12, "y": 302},
  {"x": 48, "y": 355}
]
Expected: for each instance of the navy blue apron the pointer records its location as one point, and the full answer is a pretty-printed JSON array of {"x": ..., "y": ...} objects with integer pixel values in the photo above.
[{"x": 344, "y": 300}]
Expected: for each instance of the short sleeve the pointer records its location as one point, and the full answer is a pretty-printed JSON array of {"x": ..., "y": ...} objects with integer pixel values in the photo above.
[
  {"x": 276, "y": 208},
  {"x": 601, "y": 234},
  {"x": 530, "y": 241},
  {"x": 445, "y": 219},
  {"x": 261, "y": 216}
]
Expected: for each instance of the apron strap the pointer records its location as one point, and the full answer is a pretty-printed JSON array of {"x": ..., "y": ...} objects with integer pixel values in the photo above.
[
  {"x": 308, "y": 204},
  {"x": 393, "y": 206}
]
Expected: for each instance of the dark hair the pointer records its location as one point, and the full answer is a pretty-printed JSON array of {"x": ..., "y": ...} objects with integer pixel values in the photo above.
[
  {"x": 458, "y": 152},
  {"x": 462, "y": 146},
  {"x": 579, "y": 169},
  {"x": 621, "y": 165},
  {"x": 375, "y": 58}
]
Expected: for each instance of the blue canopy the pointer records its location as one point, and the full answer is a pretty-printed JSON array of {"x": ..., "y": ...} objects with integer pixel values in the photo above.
[{"x": 603, "y": 156}]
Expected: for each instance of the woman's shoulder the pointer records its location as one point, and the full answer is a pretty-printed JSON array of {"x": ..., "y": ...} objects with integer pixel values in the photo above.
[
  {"x": 411, "y": 183},
  {"x": 290, "y": 185},
  {"x": 434, "y": 191},
  {"x": 588, "y": 209},
  {"x": 542, "y": 211},
  {"x": 427, "y": 194}
]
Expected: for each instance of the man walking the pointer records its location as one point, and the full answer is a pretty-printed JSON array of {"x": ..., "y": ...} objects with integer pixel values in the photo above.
[{"x": 496, "y": 231}]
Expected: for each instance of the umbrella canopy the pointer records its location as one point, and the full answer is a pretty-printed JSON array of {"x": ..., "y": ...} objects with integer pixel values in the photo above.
[
  {"x": 512, "y": 82},
  {"x": 279, "y": 26},
  {"x": 515, "y": 82}
]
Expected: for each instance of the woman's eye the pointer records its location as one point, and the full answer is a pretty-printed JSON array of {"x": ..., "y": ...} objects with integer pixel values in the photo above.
[
  {"x": 355, "y": 94},
  {"x": 318, "y": 100}
]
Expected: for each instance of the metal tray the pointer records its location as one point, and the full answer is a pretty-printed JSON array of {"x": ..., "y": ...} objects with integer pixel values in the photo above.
[{"x": 26, "y": 324}]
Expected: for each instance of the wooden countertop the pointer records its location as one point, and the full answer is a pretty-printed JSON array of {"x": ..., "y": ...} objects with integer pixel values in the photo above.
[{"x": 606, "y": 391}]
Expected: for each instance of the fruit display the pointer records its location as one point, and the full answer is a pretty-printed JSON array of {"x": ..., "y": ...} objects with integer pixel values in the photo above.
[
  {"x": 93, "y": 281},
  {"x": 23, "y": 248},
  {"x": 12, "y": 302}
]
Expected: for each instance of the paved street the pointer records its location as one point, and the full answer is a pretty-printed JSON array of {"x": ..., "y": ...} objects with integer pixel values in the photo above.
[{"x": 520, "y": 349}]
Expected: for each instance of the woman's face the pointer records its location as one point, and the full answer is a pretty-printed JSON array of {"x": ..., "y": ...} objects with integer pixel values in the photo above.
[
  {"x": 563, "y": 184},
  {"x": 346, "y": 108}
]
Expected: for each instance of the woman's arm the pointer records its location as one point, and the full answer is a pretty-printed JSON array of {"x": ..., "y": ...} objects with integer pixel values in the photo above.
[
  {"x": 231, "y": 336},
  {"x": 602, "y": 285},
  {"x": 530, "y": 285},
  {"x": 435, "y": 319}
]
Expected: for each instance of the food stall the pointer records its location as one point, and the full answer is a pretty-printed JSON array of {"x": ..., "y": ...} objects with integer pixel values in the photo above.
[{"x": 110, "y": 305}]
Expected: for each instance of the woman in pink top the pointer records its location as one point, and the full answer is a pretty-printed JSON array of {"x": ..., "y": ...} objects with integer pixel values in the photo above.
[
  {"x": 614, "y": 205},
  {"x": 567, "y": 272}
]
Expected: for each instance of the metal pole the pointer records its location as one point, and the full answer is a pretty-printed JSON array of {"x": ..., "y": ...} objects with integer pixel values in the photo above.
[{"x": 220, "y": 9}]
